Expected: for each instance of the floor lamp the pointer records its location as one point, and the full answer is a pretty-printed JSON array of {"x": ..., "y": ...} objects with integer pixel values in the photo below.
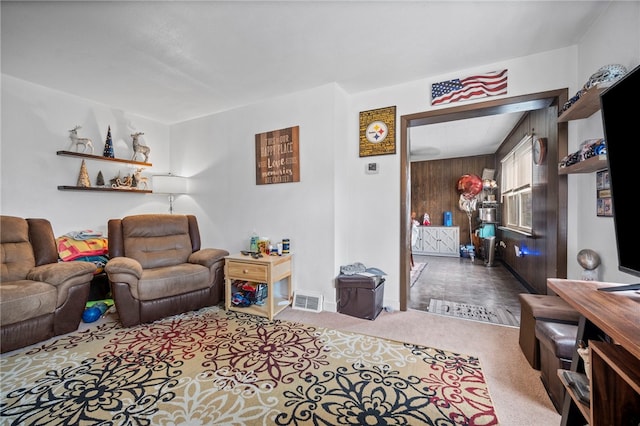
[{"x": 170, "y": 184}]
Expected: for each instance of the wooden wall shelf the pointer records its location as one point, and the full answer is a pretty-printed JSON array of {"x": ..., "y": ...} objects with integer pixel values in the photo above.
[
  {"x": 101, "y": 158},
  {"x": 584, "y": 107},
  {"x": 104, "y": 189},
  {"x": 593, "y": 164},
  {"x": 101, "y": 188}
]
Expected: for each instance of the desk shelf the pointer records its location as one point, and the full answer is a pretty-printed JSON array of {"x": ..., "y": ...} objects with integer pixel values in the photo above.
[{"x": 584, "y": 408}]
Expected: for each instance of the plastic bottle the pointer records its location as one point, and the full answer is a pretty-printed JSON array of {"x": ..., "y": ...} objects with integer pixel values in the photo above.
[{"x": 253, "y": 242}]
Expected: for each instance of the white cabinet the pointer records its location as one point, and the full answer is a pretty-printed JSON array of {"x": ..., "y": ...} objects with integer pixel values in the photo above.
[{"x": 438, "y": 241}]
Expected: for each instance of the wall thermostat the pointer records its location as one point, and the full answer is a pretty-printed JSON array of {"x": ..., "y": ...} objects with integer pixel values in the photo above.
[{"x": 372, "y": 168}]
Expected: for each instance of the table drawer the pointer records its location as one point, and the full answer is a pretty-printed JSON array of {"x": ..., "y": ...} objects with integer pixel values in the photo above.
[{"x": 246, "y": 271}]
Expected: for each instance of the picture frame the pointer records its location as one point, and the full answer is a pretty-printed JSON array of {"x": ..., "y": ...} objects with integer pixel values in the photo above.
[
  {"x": 278, "y": 156},
  {"x": 603, "y": 194},
  {"x": 378, "y": 132}
]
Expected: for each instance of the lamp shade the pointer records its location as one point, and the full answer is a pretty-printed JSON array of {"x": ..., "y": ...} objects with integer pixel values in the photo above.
[{"x": 169, "y": 184}]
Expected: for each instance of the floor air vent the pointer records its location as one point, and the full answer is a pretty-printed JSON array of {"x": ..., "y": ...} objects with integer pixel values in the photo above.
[{"x": 307, "y": 301}]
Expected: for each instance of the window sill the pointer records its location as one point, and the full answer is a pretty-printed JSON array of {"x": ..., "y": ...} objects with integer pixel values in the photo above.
[{"x": 516, "y": 231}]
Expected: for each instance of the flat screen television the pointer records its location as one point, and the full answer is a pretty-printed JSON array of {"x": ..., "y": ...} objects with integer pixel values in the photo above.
[{"x": 621, "y": 122}]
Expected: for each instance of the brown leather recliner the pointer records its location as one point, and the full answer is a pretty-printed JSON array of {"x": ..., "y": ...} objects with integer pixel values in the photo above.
[
  {"x": 157, "y": 268},
  {"x": 39, "y": 296}
]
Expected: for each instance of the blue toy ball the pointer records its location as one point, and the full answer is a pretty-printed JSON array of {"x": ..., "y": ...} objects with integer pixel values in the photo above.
[
  {"x": 91, "y": 314},
  {"x": 94, "y": 311}
]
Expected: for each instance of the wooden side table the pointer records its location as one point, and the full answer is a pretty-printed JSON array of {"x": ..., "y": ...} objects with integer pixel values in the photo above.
[{"x": 266, "y": 269}]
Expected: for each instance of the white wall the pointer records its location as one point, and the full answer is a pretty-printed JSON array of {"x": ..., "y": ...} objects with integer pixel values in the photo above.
[
  {"x": 374, "y": 208},
  {"x": 336, "y": 214},
  {"x": 614, "y": 39},
  {"x": 218, "y": 153},
  {"x": 36, "y": 123}
]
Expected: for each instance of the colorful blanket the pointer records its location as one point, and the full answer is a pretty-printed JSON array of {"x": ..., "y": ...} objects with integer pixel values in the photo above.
[{"x": 71, "y": 249}]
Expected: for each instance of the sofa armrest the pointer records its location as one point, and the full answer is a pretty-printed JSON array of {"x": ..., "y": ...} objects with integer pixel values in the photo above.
[
  {"x": 123, "y": 265},
  {"x": 207, "y": 256},
  {"x": 58, "y": 273},
  {"x": 64, "y": 276}
]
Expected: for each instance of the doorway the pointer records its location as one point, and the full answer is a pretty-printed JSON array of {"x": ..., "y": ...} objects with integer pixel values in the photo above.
[{"x": 507, "y": 105}]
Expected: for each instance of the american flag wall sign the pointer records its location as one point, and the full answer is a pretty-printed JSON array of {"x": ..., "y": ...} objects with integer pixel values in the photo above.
[{"x": 474, "y": 86}]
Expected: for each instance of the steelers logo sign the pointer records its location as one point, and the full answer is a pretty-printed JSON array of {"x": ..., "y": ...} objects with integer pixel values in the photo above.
[{"x": 377, "y": 131}]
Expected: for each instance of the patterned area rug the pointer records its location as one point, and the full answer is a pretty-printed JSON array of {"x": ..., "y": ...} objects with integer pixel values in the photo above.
[
  {"x": 494, "y": 314},
  {"x": 227, "y": 368},
  {"x": 416, "y": 271}
]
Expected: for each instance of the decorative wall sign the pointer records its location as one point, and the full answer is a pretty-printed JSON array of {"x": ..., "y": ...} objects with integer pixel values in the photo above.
[
  {"x": 603, "y": 193},
  {"x": 474, "y": 86},
  {"x": 278, "y": 156},
  {"x": 378, "y": 131}
]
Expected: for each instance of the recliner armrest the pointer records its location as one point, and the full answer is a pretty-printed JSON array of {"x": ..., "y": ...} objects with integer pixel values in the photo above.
[
  {"x": 59, "y": 273},
  {"x": 124, "y": 265},
  {"x": 207, "y": 256}
]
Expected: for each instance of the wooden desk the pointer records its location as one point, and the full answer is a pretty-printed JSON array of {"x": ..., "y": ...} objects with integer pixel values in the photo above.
[
  {"x": 267, "y": 269},
  {"x": 610, "y": 324}
]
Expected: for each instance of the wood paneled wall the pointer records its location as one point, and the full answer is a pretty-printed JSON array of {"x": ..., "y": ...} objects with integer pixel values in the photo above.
[
  {"x": 434, "y": 189},
  {"x": 545, "y": 249}
]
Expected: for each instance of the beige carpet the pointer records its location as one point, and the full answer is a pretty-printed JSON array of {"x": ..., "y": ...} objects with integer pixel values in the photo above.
[
  {"x": 214, "y": 367},
  {"x": 516, "y": 390}
]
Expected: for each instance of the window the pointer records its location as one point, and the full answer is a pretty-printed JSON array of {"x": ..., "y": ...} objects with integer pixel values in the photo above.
[{"x": 516, "y": 186}]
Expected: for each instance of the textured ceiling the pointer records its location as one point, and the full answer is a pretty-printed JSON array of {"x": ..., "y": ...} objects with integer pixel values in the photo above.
[{"x": 176, "y": 60}]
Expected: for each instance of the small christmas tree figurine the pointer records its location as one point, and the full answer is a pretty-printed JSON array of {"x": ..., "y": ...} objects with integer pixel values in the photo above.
[
  {"x": 108, "y": 146},
  {"x": 100, "y": 179},
  {"x": 83, "y": 177}
]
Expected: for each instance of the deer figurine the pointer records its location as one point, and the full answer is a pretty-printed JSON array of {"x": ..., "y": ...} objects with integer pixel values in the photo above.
[
  {"x": 140, "y": 180},
  {"x": 138, "y": 148},
  {"x": 84, "y": 142}
]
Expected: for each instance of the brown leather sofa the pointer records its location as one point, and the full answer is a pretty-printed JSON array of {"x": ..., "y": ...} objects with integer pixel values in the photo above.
[
  {"x": 39, "y": 296},
  {"x": 157, "y": 269}
]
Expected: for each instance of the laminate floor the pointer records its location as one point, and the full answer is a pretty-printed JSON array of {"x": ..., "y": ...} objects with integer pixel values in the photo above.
[{"x": 458, "y": 279}]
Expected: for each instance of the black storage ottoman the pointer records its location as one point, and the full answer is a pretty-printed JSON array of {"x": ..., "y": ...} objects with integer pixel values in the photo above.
[{"x": 360, "y": 296}]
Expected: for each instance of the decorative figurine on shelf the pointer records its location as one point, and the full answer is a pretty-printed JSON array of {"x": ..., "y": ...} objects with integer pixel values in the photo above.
[
  {"x": 114, "y": 182},
  {"x": 75, "y": 140},
  {"x": 83, "y": 177},
  {"x": 138, "y": 148},
  {"x": 100, "y": 179},
  {"x": 585, "y": 353},
  {"x": 108, "y": 146},
  {"x": 589, "y": 260},
  {"x": 122, "y": 183},
  {"x": 139, "y": 179}
]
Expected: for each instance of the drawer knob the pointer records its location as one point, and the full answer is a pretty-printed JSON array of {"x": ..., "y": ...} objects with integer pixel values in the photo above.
[{"x": 245, "y": 271}]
